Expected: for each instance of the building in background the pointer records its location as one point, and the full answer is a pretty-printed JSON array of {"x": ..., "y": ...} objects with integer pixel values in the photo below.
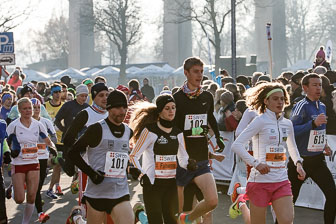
[{"x": 177, "y": 41}]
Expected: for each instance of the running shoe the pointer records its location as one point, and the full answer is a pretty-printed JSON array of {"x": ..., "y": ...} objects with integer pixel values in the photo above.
[
  {"x": 234, "y": 210},
  {"x": 51, "y": 194},
  {"x": 74, "y": 187},
  {"x": 234, "y": 194},
  {"x": 75, "y": 211},
  {"x": 43, "y": 217},
  {"x": 9, "y": 191},
  {"x": 182, "y": 219},
  {"x": 137, "y": 208},
  {"x": 58, "y": 191}
]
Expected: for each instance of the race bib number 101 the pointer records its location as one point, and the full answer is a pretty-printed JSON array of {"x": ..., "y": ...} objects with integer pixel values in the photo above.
[
  {"x": 195, "y": 120},
  {"x": 116, "y": 164}
]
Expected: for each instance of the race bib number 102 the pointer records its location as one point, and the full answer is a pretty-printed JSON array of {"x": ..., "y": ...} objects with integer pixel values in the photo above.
[{"x": 195, "y": 120}]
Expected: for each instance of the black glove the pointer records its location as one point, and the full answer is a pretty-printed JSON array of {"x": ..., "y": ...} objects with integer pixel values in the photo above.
[
  {"x": 15, "y": 153},
  {"x": 97, "y": 176},
  {"x": 192, "y": 165},
  {"x": 220, "y": 143},
  {"x": 53, "y": 151},
  {"x": 135, "y": 172},
  {"x": 6, "y": 158},
  {"x": 145, "y": 180}
]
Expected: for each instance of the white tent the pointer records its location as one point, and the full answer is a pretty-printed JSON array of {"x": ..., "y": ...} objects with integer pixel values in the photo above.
[
  {"x": 108, "y": 71},
  {"x": 91, "y": 71},
  {"x": 75, "y": 74},
  {"x": 299, "y": 65},
  {"x": 132, "y": 70},
  {"x": 179, "y": 71},
  {"x": 85, "y": 69},
  {"x": 54, "y": 72},
  {"x": 168, "y": 69},
  {"x": 35, "y": 75},
  {"x": 150, "y": 70}
]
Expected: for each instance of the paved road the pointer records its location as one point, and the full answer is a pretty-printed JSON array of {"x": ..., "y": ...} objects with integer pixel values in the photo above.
[{"x": 59, "y": 209}]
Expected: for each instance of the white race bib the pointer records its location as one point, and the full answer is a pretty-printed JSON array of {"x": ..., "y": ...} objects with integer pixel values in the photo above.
[
  {"x": 42, "y": 149},
  {"x": 29, "y": 151},
  {"x": 165, "y": 166},
  {"x": 276, "y": 156},
  {"x": 116, "y": 164},
  {"x": 195, "y": 120},
  {"x": 317, "y": 140}
]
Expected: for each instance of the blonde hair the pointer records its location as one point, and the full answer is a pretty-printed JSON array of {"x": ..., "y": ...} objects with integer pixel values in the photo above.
[
  {"x": 24, "y": 100},
  {"x": 255, "y": 96}
]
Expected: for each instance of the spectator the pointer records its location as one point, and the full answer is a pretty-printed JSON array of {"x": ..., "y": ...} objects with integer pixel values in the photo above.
[
  {"x": 213, "y": 88},
  {"x": 134, "y": 92},
  {"x": 67, "y": 80},
  {"x": 147, "y": 90},
  {"x": 241, "y": 89},
  {"x": 234, "y": 90},
  {"x": 243, "y": 80},
  {"x": 228, "y": 117},
  {"x": 224, "y": 73},
  {"x": 15, "y": 79},
  {"x": 320, "y": 70},
  {"x": 296, "y": 93},
  {"x": 255, "y": 77},
  {"x": 226, "y": 80},
  {"x": 326, "y": 98},
  {"x": 320, "y": 59}
]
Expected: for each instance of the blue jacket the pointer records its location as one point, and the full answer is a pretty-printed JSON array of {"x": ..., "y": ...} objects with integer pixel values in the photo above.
[
  {"x": 302, "y": 116},
  {"x": 3, "y": 135}
]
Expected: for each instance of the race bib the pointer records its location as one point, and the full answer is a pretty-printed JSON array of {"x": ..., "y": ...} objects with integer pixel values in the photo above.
[
  {"x": 275, "y": 156},
  {"x": 195, "y": 120},
  {"x": 317, "y": 140},
  {"x": 116, "y": 164},
  {"x": 42, "y": 149},
  {"x": 165, "y": 166},
  {"x": 29, "y": 151}
]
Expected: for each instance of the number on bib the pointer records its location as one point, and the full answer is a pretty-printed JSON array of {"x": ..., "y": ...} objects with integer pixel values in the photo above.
[
  {"x": 165, "y": 166},
  {"x": 29, "y": 151},
  {"x": 116, "y": 164},
  {"x": 195, "y": 120},
  {"x": 276, "y": 156},
  {"x": 317, "y": 141}
]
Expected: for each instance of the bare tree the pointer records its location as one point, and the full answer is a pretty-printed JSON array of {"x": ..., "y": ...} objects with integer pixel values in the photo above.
[
  {"x": 53, "y": 40},
  {"x": 119, "y": 19},
  {"x": 10, "y": 16},
  {"x": 306, "y": 31},
  {"x": 211, "y": 18}
]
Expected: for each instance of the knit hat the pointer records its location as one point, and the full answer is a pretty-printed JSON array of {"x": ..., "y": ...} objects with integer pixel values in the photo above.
[
  {"x": 162, "y": 100},
  {"x": 88, "y": 81},
  {"x": 66, "y": 79},
  {"x": 227, "y": 97},
  {"x": 122, "y": 88},
  {"x": 25, "y": 90},
  {"x": 321, "y": 53},
  {"x": 81, "y": 89},
  {"x": 116, "y": 98},
  {"x": 97, "y": 88}
]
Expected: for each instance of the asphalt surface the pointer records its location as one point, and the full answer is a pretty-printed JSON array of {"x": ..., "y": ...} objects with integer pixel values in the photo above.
[{"x": 60, "y": 208}]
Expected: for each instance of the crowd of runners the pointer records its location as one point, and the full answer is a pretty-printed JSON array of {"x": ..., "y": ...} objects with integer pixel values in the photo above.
[{"x": 101, "y": 136}]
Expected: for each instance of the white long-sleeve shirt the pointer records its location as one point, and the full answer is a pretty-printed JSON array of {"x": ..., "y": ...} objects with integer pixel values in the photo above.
[
  {"x": 269, "y": 137},
  {"x": 247, "y": 117},
  {"x": 159, "y": 150}
]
